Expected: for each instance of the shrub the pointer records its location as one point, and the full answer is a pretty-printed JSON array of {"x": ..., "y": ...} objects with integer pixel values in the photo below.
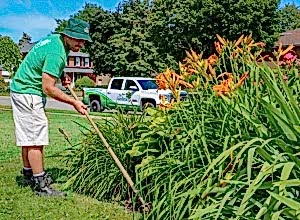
[
  {"x": 3, "y": 84},
  {"x": 84, "y": 82},
  {"x": 92, "y": 169}
]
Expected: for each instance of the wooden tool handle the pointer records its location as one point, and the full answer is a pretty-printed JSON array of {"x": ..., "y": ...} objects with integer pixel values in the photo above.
[{"x": 112, "y": 153}]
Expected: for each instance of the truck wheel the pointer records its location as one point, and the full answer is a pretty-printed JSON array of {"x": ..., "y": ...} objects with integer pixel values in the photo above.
[
  {"x": 95, "y": 106},
  {"x": 147, "y": 105}
]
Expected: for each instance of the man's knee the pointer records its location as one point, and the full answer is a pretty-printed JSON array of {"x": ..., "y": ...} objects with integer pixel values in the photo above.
[{"x": 40, "y": 148}]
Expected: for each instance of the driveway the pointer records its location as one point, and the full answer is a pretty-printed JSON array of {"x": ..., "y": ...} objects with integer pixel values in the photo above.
[{"x": 51, "y": 103}]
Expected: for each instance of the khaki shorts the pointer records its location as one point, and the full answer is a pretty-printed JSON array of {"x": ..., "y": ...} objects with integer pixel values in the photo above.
[{"x": 31, "y": 124}]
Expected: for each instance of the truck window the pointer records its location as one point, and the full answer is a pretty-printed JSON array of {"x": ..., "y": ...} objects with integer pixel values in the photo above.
[
  {"x": 130, "y": 83},
  {"x": 116, "y": 84},
  {"x": 148, "y": 84}
]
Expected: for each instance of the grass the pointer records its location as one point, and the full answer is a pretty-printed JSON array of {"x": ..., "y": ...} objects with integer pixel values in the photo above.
[{"x": 17, "y": 202}]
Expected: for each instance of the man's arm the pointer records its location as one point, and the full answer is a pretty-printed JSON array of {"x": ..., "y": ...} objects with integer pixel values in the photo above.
[{"x": 51, "y": 90}]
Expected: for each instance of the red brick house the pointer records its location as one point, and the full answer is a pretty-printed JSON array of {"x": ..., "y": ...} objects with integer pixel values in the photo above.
[{"x": 78, "y": 65}]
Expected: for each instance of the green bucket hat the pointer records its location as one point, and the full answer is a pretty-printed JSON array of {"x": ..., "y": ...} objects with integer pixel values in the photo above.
[{"x": 77, "y": 29}]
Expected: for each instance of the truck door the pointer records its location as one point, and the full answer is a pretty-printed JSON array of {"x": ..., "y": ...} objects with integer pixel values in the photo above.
[
  {"x": 114, "y": 92},
  {"x": 129, "y": 96}
]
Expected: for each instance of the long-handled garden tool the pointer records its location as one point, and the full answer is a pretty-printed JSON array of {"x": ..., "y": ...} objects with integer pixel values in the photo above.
[{"x": 112, "y": 153}]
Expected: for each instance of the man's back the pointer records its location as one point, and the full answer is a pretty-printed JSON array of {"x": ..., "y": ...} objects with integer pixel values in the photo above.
[{"x": 50, "y": 56}]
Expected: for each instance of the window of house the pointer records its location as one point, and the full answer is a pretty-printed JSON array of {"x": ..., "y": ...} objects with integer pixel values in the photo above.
[
  {"x": 86, "y": 62},
  {"x": 77, "y": 61},
  {"x": 117, "y": 84}
]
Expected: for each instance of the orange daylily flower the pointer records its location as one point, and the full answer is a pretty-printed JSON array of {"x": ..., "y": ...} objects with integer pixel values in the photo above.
[
  {"x": 218, "y": 47},
  {"x": 227, "y": 86},
  {"x": 239, "y": 41},
  {"x": 212, "y": 59},
  {"x": 170, "y": 79},
  {"x": 224, "y": 86},
  {"x": 242, "y": 78},
  {"x": 211, "y": 70},
  {"x": 282, "y": 53},
  {"x": 221, "y": 40}
]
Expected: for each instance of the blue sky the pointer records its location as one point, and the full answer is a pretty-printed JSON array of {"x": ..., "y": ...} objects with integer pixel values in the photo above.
[{"x": 36, "y": 17}]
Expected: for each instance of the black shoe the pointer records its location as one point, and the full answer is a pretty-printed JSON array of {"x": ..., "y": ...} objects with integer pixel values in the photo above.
[
  {"x": 43, "y": 187},
  {"x": 27, "y": 180}
]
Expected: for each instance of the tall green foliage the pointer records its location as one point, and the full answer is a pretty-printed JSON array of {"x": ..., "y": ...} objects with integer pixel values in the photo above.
[
  {"x": 103, "y": 26},
  {"x": 289, "y": 17},
  {"x": 177, "y": 26},
  {"x": 143, "y": 37},
  {"x": 10, "y": 55},
  {"x": 87, "y": 13},
  {"x": 3, "y": 84},
  {"x": 134, "y": 53},
  {"x": 227, "y": 155}
]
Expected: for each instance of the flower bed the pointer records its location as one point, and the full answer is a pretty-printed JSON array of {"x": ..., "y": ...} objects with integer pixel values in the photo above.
[{"x": 232, "y": 151}]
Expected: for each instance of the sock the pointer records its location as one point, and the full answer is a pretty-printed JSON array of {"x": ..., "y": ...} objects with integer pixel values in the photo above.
[
  {"x": 39, "y": 174},
  {"x": 27, "y": 168}
]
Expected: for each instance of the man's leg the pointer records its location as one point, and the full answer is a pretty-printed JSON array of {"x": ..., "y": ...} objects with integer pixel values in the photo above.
[
  {"x": 25, "y": 157},
  {"x": 26, "y": 171},
  {"x": 35, "y": 159},
  {"x": 36, "y": 152},
  {"x": 42, "y": 180}
]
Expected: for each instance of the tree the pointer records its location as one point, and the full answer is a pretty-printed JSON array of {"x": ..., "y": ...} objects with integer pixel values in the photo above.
[
  {"x": 142, "y": 37},
  {"x": 289, "y": 17},
  {"x": 122, "y": 44},
  {"x": 26, "y": 39},
  {"x": 10, "y": 55},
  {"x": 134, "y": 53},
  {"x": 103, "y": 27},
  {"x": 87, "y": 14},
  {"x": 180, "y": 25}
]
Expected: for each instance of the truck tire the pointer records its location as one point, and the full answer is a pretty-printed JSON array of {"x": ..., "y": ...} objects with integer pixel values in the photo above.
[
  {"x": 95, "y": 106},
  {"x": 147, "y": 105}
]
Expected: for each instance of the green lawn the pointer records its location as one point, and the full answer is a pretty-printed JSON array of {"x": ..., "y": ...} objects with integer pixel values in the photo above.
[{"x": 17, "y": 202}]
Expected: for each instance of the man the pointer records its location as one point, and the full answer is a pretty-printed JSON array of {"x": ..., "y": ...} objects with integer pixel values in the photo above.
[{"x": 36, "y": 78}]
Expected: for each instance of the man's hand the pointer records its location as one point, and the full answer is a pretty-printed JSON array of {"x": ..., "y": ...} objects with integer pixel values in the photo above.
[
  {"x": 66, "y": 80},
  {"x": 80, "y": 107}
]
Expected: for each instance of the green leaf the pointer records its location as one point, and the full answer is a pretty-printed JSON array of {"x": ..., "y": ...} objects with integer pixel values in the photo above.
[{"x": 287, "y": 201}]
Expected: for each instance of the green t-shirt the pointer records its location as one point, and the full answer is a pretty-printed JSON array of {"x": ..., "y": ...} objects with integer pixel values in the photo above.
[{"x": 49, "y": 56}]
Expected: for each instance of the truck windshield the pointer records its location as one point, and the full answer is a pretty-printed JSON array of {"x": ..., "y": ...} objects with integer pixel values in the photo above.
[{"x": 148, "y": 84}]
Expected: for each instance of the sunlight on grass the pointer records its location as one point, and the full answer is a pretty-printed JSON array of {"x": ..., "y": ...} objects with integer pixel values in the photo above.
[{"x": 17, "y": 202}]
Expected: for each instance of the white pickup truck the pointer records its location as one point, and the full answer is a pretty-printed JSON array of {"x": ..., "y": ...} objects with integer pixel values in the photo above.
[{"x": 127, "y": 92}]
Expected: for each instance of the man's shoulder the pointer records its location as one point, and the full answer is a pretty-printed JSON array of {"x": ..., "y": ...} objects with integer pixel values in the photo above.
[
  {"x": 50, "y": 41},
  {"x": 50, "y": 44}
]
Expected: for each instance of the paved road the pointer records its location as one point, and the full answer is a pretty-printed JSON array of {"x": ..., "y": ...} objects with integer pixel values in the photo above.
[{"x": 51, "y": 103}]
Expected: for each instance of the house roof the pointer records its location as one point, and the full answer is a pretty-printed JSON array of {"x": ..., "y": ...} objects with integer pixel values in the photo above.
[
  {"x": 77, "y": 70},
  {"x": 289, "y": 37},
  {"x": 78, "y": 54},
  {"x": 26, "y": 47}
]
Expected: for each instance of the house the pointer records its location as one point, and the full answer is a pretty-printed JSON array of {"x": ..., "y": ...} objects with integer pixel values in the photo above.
[
  {"x": 288, "y": 38},
  {"x": 78, "y": 65}
]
